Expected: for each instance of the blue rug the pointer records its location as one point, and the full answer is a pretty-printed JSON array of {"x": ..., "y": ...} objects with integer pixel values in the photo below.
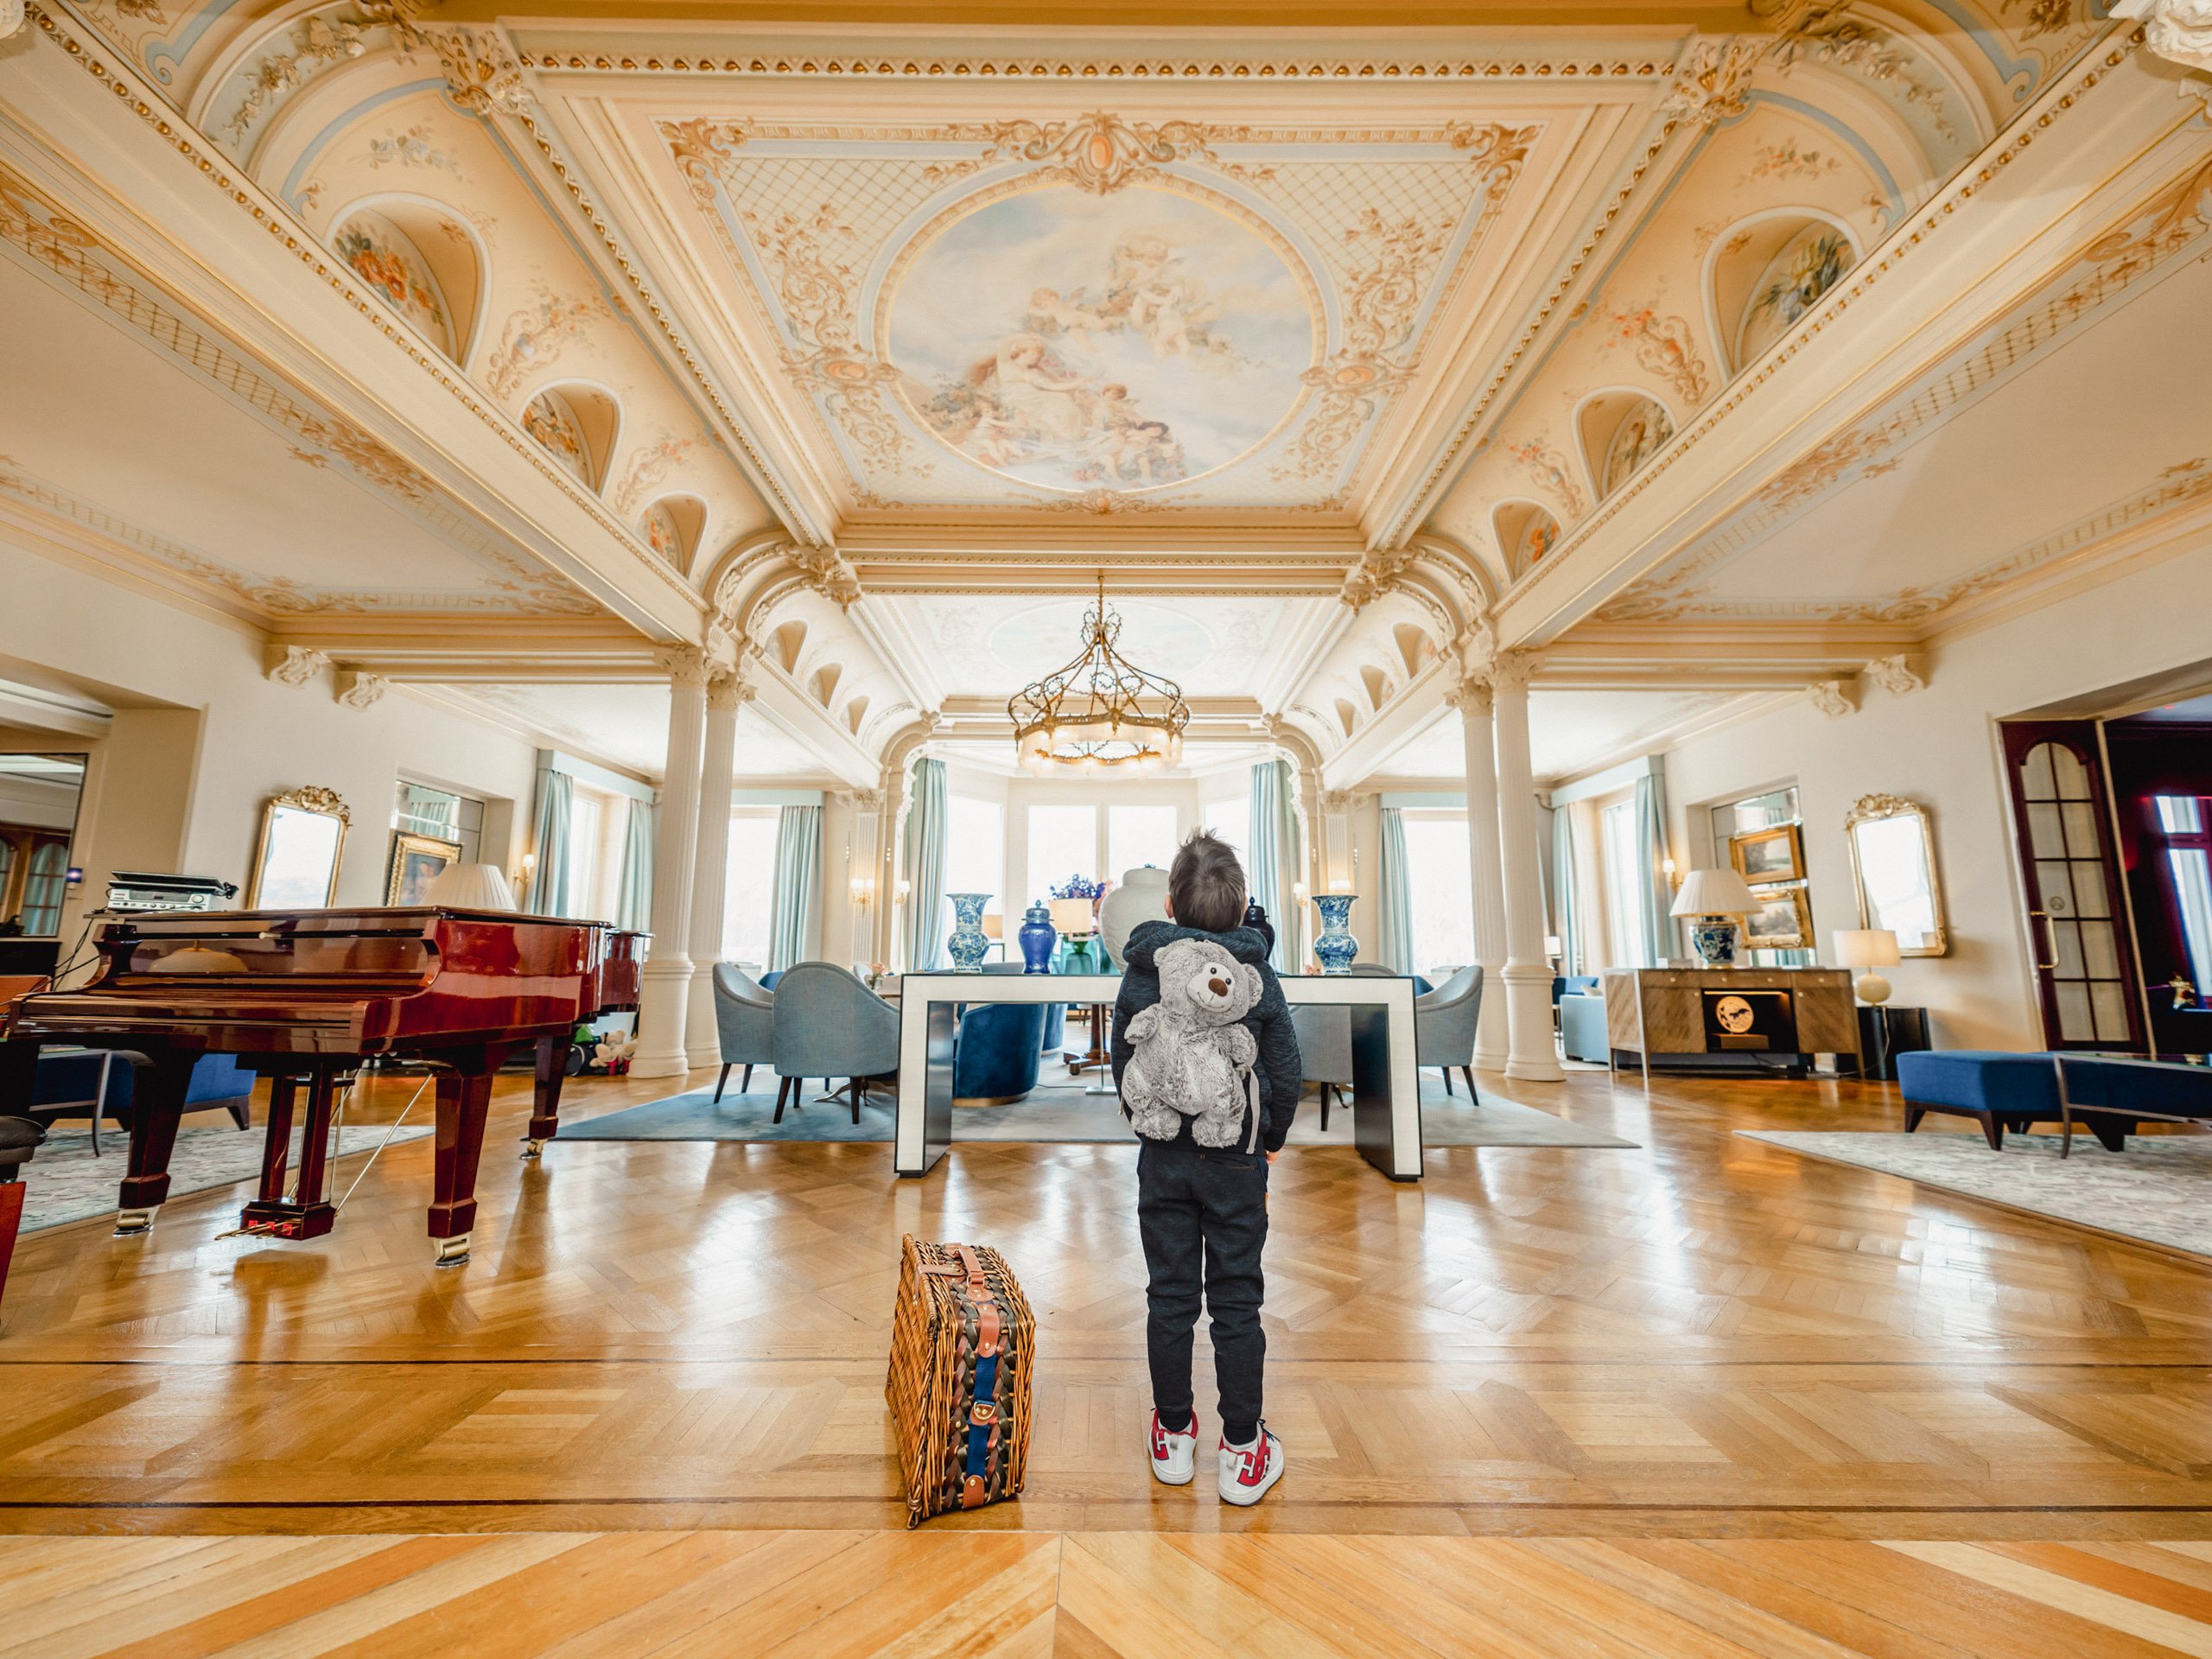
[{"x": 1055, "y": 1112}]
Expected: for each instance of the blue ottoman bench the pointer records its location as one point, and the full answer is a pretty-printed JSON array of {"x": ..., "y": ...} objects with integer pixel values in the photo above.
[{"x": 2000, "y": 1090}]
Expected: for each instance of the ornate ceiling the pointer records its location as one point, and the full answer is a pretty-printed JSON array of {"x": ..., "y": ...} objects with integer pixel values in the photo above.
[{"x": 1657, "y": 342}]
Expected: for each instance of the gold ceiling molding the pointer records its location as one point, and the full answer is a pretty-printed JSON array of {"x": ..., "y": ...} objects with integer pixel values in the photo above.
[
  {"x": 71, "y": 251},
  {"x": 2153, "y": 233},
  {"x": 294, "y": 239},
  {"x": 1099, "y": 152},
  {"x": 1112, "y": 69},
  {"x": 1862, "y": 277}
]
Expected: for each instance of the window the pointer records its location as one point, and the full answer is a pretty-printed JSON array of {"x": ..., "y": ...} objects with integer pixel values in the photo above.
[
  {"x": 43, "y": 891},
  {"x": 1229, "y": 815},
  {"x": 421, "y": 810},
  {"x": 750, "y": 900},
  {"x": 2188, "y": 867},
  {"x": 975, "y": 856},
  {"x": 584, "y": 820},
  {"x": 1439, "y": 878},
  {"x": 1624, "y": 884},
  {"x": 1063, "y": 842},
  {"x": 1137, "y": 836}
]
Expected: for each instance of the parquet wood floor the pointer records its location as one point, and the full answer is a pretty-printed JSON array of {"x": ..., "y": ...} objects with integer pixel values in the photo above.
[{"x": 1703, "y": 1396}]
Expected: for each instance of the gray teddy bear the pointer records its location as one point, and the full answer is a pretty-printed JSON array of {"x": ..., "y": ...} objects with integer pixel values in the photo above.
[{"x": 1190, "y": 1056}]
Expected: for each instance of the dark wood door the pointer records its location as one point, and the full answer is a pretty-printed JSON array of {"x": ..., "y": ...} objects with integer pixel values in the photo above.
[{"x": 2084, "y": 961}]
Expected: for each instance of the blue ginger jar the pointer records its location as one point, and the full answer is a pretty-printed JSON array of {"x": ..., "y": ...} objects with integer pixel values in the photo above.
[
  {"x": 969, "y": 944},
  {"x": 1038, "y": 937},
  {"x": 1335, "y": 947}
]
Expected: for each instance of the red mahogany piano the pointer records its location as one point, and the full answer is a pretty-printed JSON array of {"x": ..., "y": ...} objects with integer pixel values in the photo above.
[
  {"x": 618, "y": 957},
  {"x": 304, "y": 997}
]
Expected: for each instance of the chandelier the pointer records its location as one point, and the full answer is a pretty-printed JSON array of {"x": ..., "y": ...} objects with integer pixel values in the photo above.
[{"x": 1101, "y": 711}]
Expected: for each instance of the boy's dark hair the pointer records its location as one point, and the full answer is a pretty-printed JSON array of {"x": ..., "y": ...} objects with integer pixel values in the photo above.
[{"x": 1206, "y": 884}]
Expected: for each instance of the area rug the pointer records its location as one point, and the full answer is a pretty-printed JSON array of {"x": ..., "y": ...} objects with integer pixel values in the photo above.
[
  {"x": 65, "y": 1183},
  {"x": 2158, "y": 1190},
  {"x": 1057, "y": 1112}
]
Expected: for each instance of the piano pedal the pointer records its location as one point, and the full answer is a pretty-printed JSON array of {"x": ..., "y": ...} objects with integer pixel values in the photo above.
[
  {"x": 453, "y": 1252},
  {"x": 134, "y": 1224},
  {"x": 292, "y": 1221}
]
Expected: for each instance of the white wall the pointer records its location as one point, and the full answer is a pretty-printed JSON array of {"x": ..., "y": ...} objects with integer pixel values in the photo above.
[
  {"x": 201, "y": 740},
  {"x": 1940, "y": 748}
]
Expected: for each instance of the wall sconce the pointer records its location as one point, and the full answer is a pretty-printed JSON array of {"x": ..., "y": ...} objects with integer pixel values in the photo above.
[
  {"x": 1300, "y": 892},
  {"x": 1674, "y": 881},
  {"x": 903, "y": 890},
  {"x": 529, "y": 869},
  {"x": 863, "y": 889}
]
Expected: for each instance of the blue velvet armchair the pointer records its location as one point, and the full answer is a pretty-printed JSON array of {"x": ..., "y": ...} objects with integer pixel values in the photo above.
[
  {"x": 1055, "y": 1013},
  {"x": 88, "y": 1082},
  {"x": 830, "y": 1024},
  {"x": 745, "y": 1018},
  {"x": 995, "y": 1052}
]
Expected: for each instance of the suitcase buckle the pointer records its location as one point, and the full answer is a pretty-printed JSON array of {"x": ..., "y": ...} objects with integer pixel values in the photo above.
[{"x": 983, "y": 1414}]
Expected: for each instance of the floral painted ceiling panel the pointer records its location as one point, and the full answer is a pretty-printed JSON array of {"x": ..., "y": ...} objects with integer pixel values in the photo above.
[{"x": 1021, "y": 314}]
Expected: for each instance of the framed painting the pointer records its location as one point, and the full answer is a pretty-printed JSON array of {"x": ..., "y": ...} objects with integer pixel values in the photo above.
[
  {"x": 1783, "y": 921},
  {"x": 417, "y": 860},
  {"x": 1776, "y": 855}
]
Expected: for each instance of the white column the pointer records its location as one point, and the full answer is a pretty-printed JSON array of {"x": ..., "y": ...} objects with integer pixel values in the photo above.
[
  {"x": 1531, "y": 1053},
  {"x": 667, "y": 976},
  {"x": 726, "y": 694},
  {"x": 1472, "y": 698}
]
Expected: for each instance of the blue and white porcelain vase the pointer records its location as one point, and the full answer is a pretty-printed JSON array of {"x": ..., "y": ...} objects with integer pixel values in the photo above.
[
  {"x": 1713, "y": 938},
  {"x": 969, "y": 944},
  {"x": 1335, "y": 947},
  {"x": 1038, "y": 937}
]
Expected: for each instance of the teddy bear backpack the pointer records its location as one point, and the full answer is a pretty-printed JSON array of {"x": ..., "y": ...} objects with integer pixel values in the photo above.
[{"x": 1191, "y": 1057}]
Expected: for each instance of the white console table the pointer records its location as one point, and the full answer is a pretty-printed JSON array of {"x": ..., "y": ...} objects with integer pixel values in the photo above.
[{"x": 1385, "y": 1086}]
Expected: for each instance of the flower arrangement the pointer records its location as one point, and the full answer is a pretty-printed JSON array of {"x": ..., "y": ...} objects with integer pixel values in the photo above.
[{"x": 1079, "y": 886}]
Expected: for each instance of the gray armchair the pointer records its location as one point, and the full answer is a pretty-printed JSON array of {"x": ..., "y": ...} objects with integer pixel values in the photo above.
[
  {"x": 1444, "y": 1027},
  {"x": 1324, "y": 1050},
  {"x": 830, "y": 1024},
  {"x": 745, "y": 1016}
]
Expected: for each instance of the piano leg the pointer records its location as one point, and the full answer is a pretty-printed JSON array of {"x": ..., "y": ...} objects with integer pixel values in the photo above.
[
  {"x": 18, "y": 1077},
  {"x": 156, "y": 1104},
  {"x": 464, "y": 1101},
  {"x": 308, "y": 1213},
  {"x": 545, "y": 1105}
]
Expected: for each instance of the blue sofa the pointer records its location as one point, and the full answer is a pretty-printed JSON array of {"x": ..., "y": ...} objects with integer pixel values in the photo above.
[
  {"x": 2005, "y": 1091},
  {"x": 69, "y": 1079},
  {"x": 1582, "y": 1018}
]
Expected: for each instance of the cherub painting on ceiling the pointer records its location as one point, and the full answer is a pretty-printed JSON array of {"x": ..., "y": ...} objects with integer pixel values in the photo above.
[{"x": 1080, "y": 342}]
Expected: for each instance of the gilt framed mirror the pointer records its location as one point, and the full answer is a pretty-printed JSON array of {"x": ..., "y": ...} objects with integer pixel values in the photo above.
[
  {"x": 1893, "y": 866},
  {"x": 302, "y": 837}
]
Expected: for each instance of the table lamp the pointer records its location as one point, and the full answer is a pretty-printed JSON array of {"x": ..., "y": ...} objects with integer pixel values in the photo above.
[
  {"x": 1714, "y": 900},
  {"x": 472, "y": 886},
  {"x": 1868, "y": 948}
]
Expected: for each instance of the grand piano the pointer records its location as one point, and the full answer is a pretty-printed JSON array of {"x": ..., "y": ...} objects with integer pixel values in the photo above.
[{"x": 304, "y": 997}]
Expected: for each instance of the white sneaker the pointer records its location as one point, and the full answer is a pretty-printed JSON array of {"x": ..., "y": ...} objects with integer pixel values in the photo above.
[
  {"x": 1247, "y": 1475},
  {"x": 1174, "y": 1457}
]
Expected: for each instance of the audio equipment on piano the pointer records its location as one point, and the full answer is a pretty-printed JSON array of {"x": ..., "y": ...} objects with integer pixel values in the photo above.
[
  {"x": 304, "y": 997},
  {"x": 130, "y": 891}
]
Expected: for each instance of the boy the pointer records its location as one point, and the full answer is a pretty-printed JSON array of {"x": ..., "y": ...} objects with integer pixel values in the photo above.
[{"x": 1203, "y": 1211}]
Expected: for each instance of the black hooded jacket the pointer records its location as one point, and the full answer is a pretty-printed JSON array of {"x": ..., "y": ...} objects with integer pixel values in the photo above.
[{"x": 1278, "y": 1069}]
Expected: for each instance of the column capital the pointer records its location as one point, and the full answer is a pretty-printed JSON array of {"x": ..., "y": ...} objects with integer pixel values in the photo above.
[
  {"x": 1512, "y": 670},
  {"x": 683, "y": 665},
  {"x": 1471, "y": 697},
  {"x": 727, "y": 689}
]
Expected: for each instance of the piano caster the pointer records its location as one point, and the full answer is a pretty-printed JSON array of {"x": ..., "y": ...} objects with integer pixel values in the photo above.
[
  {"x": 533, "y": 1149},
  {"x": 453, "y": 1252},
  {"x": 134, "y": 1224}
]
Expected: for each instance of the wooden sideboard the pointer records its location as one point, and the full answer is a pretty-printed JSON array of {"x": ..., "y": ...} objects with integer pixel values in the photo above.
[{"x": 1664, "y": 1011}]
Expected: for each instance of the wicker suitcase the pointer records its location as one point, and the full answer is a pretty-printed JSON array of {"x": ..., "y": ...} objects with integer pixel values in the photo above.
[{"x": 963, "y": 1351}]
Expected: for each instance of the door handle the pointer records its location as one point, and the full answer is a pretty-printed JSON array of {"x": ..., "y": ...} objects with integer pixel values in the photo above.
[{"x": 2051, "y": 943}]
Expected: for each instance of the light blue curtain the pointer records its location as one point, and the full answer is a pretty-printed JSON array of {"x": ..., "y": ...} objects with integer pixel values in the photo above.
[
  {"x": 1657, "y": 926},
  {"x": 1394, "y": 922},
  {"x": 798, "y": 857},
  {"x": 925, "y": 867},
  {"x": 633, "y": 903},
  {"x": 548, "y": 887},
  {"x": 1274, "y": 849},
  {"x": 1563, "y": 923}
]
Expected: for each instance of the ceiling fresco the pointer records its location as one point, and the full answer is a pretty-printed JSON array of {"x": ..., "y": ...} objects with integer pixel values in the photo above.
[{"x": 1020, "y": 314}]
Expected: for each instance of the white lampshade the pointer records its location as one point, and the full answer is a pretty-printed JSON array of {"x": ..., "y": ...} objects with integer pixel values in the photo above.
[
  {"x": 1866, "y": 947},
  {"x": 1714, "y": 893},
  {"x": 1073, "y": 917},
  {"x": 472, "y": 886}
]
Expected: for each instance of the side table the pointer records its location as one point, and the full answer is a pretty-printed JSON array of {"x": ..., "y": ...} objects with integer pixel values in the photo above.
[{"x": 1885, "y": 1032}]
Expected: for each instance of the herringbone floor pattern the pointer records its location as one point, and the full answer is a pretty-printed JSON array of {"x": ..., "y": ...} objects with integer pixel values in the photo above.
[{"x": 1709, "y": 1385}]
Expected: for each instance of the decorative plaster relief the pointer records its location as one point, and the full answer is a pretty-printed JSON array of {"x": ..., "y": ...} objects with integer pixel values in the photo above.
[
  {"x": 1900, "y": 675},
  {"x": 357, "y": 689},
  {"x": 1835, "y": 698},
  {"x": 2179, "y": 29},
  {"x": 293, "y": 665}
]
